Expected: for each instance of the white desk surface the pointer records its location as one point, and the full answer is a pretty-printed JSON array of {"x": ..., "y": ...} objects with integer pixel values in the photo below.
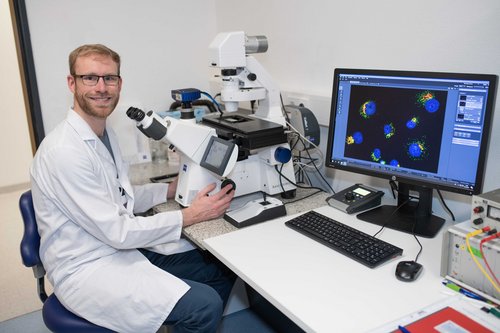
[{"x": 322, "y": 290}]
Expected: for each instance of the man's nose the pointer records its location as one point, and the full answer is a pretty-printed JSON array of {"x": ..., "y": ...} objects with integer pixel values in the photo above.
[{"x": 100, "y": 86}]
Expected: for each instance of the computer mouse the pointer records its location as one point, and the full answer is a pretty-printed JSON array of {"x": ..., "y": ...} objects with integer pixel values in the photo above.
[{"x": 408, "y": 270}]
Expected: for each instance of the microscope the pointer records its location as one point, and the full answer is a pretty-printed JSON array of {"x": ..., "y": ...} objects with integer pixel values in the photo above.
[
  {"x": 264, "y": 161},
  {"x": 246, "y": 148}
]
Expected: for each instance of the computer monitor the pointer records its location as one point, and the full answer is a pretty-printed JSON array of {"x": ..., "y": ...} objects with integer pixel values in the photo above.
[{"x": 422, "y": 130}]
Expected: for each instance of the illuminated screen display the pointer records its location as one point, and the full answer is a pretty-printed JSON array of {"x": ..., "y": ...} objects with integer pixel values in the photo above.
[
  {"x": 217, "y": 155},
  {"x": 423, "y": 130}
]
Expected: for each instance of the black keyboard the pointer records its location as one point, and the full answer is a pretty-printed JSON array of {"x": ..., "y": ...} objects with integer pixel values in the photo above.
[{"x": 355, "y": 244}]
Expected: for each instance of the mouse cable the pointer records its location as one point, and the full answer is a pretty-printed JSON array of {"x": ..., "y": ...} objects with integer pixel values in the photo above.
[
  {"x": 473, "y": 256},
  {"x": 395, "y": 189},
  {"x": 485, "y": 240},
  {"x": 390, "y": 216},
  {"x": 445, "y": 205},
  {"x": 416, "y": 238},
  {"x": 412, "y": 229}
]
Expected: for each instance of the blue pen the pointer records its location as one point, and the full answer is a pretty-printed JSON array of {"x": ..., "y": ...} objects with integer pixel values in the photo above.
[
  {"x": 403, "y": 329},
  {"x": 463, "y": 291}
]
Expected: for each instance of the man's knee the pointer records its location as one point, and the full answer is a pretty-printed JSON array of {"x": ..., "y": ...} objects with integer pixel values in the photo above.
[{"x": 199, "y": 310}]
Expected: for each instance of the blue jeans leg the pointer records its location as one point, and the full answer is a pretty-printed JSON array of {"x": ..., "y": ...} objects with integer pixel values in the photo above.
[
  {"x": 198, "y": 311},
  {"x": 196, "y": 265}
]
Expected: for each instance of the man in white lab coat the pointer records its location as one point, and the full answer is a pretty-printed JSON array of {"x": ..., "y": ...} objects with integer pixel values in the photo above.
[{"x": 108, "y": 265}]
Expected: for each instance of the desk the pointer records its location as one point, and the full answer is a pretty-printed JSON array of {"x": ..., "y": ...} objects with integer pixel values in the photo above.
[
  {"x": 316, "y": 287},
  {"x": 322, "y": 290},
  {"x": 197, "y": 233}
]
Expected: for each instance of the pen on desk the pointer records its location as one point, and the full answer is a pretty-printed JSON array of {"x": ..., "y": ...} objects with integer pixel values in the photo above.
[
  {"x": 463, "y": 291},
  {"x": 403, "y": 329}
]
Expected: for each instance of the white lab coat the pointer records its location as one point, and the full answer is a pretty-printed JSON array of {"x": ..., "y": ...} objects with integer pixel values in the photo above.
[{"x": 89, "y": 233}]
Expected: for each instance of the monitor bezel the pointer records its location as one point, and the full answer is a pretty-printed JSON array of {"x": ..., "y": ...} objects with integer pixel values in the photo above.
[{"x": 485, "y": 140}]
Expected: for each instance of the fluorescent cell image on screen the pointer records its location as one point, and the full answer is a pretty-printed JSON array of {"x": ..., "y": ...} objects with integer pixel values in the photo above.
[{"x": 391, "y": 133}]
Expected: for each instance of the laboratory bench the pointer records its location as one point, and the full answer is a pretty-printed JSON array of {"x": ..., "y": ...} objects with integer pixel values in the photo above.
[
  {"x": 305, "y": 199},
  {"x": 317, "y": 288}
]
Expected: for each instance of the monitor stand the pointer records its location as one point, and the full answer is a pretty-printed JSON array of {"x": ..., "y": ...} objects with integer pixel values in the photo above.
[{"x": 413, "y": 217}]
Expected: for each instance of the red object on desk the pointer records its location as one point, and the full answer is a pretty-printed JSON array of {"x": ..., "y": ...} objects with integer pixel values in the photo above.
[{"x": 446, "y": 316}]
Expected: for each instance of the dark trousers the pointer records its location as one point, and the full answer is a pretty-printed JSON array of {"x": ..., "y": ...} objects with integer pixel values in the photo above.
[{"x": 200, "y": 309}]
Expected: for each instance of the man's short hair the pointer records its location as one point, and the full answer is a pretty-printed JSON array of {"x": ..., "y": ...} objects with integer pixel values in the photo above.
[{"x": 89, "y": 49}]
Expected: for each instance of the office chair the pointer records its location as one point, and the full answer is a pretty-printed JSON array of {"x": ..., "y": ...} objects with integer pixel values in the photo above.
[{"x": 55, "y": 316}]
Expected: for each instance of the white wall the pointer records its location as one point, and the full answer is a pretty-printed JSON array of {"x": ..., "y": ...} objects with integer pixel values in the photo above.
[
  {"x": 163, "y": 45},
  {"x": 308, "y": 39},
  {"x": 15, "y": 145}
]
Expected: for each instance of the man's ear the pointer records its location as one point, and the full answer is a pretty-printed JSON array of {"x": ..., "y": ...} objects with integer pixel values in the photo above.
[{"x": 71, "y": 83}]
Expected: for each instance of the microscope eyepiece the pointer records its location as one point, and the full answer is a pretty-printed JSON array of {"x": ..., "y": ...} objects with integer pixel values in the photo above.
[{"x": 135, "y": 113}]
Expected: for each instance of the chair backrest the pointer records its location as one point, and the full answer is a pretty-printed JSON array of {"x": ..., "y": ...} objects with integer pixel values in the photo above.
[
  {"x": 55, "y": 316},
  {"x": 30, "y": 244}
]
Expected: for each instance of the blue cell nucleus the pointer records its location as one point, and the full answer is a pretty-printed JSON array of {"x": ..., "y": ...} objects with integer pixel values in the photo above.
[
  {"x": 411, "y": 124},
  {"x": 394, "y": 163},
  {"x": 389, "y": 130},
  {"x": 376, "y": 154},
  {"x": 432, "y": 105},
  {"x": 415, "y": 150},
  {"x": 370, "y": 108},
  {"x": 358, "y": 137}
]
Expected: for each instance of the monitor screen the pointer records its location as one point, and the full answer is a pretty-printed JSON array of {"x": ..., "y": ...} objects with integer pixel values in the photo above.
[{"x": 422, "y": 130}]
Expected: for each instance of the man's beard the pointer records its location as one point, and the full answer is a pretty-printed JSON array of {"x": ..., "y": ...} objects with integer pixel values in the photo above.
[{"x": 88, "y": 106}]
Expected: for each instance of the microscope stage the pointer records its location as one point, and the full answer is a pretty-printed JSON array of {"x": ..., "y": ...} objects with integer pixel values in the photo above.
[{"x": 252, "y": 132}]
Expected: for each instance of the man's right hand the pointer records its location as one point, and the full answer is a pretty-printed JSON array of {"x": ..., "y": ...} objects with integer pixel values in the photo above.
[{"x": 206, "y": 207}]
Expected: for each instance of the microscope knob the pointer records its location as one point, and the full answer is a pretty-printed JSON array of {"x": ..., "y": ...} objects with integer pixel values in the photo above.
[
  {"x": 252, "y": 76},
  {"x": 228, "y": 181}
]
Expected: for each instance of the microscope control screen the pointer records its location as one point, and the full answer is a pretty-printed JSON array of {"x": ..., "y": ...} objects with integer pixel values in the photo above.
[{"x": 217, "y": 155}]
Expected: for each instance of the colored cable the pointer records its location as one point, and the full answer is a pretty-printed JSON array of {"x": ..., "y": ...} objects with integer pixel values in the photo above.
[
  {"x": 485, "y": 240},
  {"x": 213, "y": 101},
  {"x": 473, "y": 256}
]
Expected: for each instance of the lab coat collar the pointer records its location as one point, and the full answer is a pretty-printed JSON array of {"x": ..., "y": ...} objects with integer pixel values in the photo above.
[
  {"x": 80, "y": 126},
  {"x": 87, "y": 134}
]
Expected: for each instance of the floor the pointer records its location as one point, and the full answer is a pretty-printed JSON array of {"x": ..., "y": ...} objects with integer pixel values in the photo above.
[{"x": 17, "y": 284}]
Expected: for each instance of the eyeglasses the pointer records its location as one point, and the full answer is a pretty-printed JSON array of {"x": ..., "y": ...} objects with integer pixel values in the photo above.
[{"x": 91, "y": 80}]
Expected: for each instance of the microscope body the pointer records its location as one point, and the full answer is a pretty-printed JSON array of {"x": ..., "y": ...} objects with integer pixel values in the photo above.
[
  {"x": 263, "y": 167},
  {"x": 248, "y": 149}
]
